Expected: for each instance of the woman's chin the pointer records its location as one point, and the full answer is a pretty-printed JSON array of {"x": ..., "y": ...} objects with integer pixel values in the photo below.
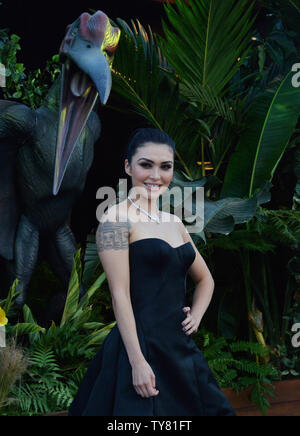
[{"x": 154, "y": 194}]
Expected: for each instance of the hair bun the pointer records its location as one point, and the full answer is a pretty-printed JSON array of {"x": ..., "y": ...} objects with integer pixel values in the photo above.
[{"x": 143, "y": 135}]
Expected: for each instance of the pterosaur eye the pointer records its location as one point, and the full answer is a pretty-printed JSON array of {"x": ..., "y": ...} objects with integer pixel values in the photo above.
[{"x": 88, "y": 46}]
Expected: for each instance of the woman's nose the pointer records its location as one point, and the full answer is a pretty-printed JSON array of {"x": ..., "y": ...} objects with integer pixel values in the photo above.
[{"x": 155, "y": 173}]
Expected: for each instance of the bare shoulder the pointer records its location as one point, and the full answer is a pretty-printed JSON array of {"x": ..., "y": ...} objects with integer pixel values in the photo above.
[
  {"x": 173, "y": 218},
  {"x": 113, "y": 230},
  {"x": 169, "y": 217},
  {"x": 116, "y": 212}
]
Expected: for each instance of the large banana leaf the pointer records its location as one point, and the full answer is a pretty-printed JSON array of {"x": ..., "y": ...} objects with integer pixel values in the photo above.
[
  {"x": 217, "y": 216},
  {"x": 222, "y": 216},
  {"x": 270, "y": 123}
]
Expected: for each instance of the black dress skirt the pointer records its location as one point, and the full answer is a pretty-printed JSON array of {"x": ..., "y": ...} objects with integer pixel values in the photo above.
[{"x": 185, "y": 382}]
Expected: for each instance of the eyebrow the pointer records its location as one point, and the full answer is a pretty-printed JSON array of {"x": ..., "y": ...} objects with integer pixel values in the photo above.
[{"x": 148, "y": 160}]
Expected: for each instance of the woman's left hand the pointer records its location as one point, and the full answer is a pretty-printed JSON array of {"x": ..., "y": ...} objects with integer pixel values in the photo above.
[{"x": 190, "y": 324}]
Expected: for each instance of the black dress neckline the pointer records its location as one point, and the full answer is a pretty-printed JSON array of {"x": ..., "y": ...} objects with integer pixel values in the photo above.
[{"x": 159, "y": 239}]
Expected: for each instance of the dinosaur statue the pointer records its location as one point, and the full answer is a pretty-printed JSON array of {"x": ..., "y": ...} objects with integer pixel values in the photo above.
[{"x": 45, "y": 154}]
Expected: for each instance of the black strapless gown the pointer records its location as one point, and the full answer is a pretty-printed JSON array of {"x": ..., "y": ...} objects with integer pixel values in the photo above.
[{"x": 186, "y": 385}]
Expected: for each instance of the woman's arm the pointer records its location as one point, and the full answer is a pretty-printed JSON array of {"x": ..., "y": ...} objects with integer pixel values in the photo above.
[
  {"x": 113, "y": 249},
  {"x": 204, "y": 289}
]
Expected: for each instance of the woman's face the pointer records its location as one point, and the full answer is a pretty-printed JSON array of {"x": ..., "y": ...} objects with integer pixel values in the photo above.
[{"x": 152, "y": 168}]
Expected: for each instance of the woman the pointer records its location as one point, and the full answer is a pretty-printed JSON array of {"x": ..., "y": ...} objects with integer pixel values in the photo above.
[{"x": 148, "y": 364}]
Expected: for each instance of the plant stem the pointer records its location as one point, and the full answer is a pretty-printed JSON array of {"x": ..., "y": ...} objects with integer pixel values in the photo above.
[
  {"x": 244, "y": 256},
  {"x": 269, "y": 324}
]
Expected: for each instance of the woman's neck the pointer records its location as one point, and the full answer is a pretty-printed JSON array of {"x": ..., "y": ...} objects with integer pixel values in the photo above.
[{"x": 149, "y": 205}]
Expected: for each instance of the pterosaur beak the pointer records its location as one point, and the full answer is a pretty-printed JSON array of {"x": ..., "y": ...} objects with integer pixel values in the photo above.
[
  {"x": 94, "y": 64},
  {"x": 78, "y": 97},
  {"x": 79, "y": 92},
  {"x": 88, "y": 49}
]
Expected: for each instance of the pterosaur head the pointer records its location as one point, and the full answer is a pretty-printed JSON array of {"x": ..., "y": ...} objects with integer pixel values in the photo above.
[{"x": 87, "y": 52}]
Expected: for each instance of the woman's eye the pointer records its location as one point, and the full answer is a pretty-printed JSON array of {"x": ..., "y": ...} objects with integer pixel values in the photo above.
[{"x": 165, "y": 167}]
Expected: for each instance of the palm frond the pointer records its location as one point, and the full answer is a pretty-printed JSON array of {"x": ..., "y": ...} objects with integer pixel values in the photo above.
[
  {"x": 139, "y": 78},
  {"x": 206, "y": 41}
]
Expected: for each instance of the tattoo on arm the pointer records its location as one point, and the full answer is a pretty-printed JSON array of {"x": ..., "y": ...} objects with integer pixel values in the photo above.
[{"x": 112, "y": 236}]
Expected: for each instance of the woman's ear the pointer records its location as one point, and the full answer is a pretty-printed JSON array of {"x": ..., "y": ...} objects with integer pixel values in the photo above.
[{"x": 127, "y": 168}]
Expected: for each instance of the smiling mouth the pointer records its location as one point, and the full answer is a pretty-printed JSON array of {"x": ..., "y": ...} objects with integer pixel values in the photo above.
[{"x": 152, "y": 187}]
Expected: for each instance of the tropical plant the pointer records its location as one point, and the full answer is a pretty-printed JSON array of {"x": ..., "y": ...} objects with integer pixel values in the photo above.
[
  {"x": 196, "y": 73},
  {"x": 45, "y": 387},
  {"x": 29, "y": 87},
  {"x": 223, "y": 92},
  {"x": 161, "y": 101},
  {"x": 187, "y": 60},
  {"x": 156, "y": 99},
  {"x": 232, "y": 365},
  {"x": 75, "y": 316},
  {"x": 58, "y": 356},
  {"x": 206, "y": 43},
  {"x": 271, "y": 121}
]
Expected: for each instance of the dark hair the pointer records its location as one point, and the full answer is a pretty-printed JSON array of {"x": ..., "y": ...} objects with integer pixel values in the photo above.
[{"x": 141, "y": 136}]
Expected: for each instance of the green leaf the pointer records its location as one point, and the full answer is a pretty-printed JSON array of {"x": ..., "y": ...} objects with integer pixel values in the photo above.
[
  {"x": 29, "y": 319},
  {"x": 271, "y": 121},
  {"x": 17, "y": 94},
  {"x": 11, "y": 296},
  {"x": 72, "y": 300},
  {"x": 25, "y": 329},
  {"x": 222, "y": 216},
  {"x": 204, "y": 39},
  {"x": 99, "y": 336},
  {"x": 140, "y": 80},
  {"x": 91, "y": 291},
  {"x": 93, "y": 325}
]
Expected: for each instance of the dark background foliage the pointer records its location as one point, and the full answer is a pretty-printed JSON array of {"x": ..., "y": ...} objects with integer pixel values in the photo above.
[{"x": 41, "y": 27}]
